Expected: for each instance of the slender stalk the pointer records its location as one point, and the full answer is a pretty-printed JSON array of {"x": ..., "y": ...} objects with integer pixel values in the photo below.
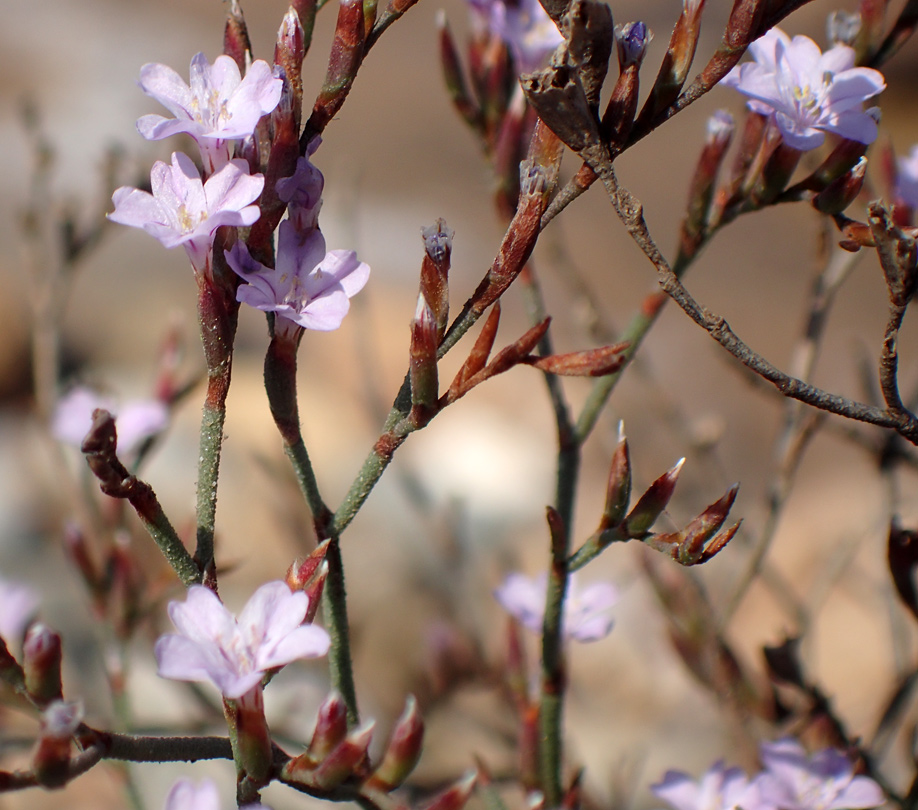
[{"x": 280, "y": 384}]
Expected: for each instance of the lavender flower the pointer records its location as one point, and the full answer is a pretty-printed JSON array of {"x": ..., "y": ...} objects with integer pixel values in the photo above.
[
  {"x": 719, "y": 789},
  {"x": 807, "y": 92},
  {"x": 309, "y": 287},
  {"x": 523, "y": 25},
  {"x": 137, "y": 420},
  {"x": 907, "y": 178},
  {"x": 792, "y": 780},
  {"x": 234, "y": 654},
  {"x": 183, "y": 210},
  {"x": 218, "y": 108},
  {"x": 586, "y": 611},
  {"x": 18, "y": 604},
  {"x": 186, "y": 795}
]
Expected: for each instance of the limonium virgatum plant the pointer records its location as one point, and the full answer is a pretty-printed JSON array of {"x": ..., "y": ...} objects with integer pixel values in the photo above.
[{"x": 533, "y": 83}]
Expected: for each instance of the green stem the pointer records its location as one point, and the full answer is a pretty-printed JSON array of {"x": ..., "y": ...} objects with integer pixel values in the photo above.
[{"x": 280, "y": 384}]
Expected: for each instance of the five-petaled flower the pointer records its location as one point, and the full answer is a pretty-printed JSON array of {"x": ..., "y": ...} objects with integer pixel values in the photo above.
[
  {"x": 792, "y": 780},
  {"x": 218, "y": 108},
  {"x": 183, "y": 210},
  {"x": 235, "y": 653},
  {"x": 308, "y": 288},
  {"x": 720, "y": 788},
  {"x": 808, "y": 92},
  {"x": 587, "y": 610}
]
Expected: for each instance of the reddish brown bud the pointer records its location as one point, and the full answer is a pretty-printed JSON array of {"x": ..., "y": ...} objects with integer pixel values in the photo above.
[
  {"x": 41, "y": 658},
  {"x": 590, "y": 363},
  {"x": 345, "y": 759},
  {"x": 840, "y": 193},
  {"x": 301, "y": 573},
  {"x": 618, "y": 491},
  {"x": 455, "y": 797},
  {"x": 455, "y": 80},
  {"x": 331, "y": 727},
  {"x": 698, "y": 542},
  {"x": 289, "y": 52},
  {"x": 652, "y": 502},
  {"x": 402, "y": 751},
  {"x": 343, "y": 63},
  {"x": 438, "y": 246},
  {"x": 51, "y": 760},
  {"x": 423, "y": 363},
  {"x": 236, "y": 43},
  {"x": 676, "y": 62}
]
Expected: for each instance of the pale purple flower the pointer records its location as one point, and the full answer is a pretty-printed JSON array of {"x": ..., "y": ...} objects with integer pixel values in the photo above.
[
  {"x": 18, "y": 605},
  {"x": 807, "y": 92},
  {"x": 719, "y": 789},
  {"x": 587, "y": 610},
  {"x": 183, "y": 210},
  {"x": 302, "y": 191},
  {"x": 792, "y": 780},
  {"x": 234, "y": 654},
  {"x": 524, "y": 26},
  {"x": 186, "y": 795},
  {"x": 907, "y": 178},
  {"x": 136, "y": 420},
  {"x": 308, "y": 287},
  {"x": 218, "y": 108}
]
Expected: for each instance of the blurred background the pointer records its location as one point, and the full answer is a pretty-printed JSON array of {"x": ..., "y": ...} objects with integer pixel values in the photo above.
[{"x": 464, "y": 500}]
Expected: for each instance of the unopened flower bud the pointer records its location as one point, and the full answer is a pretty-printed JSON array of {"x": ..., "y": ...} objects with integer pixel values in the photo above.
[
  {"x": 453, "y": 76},
  {"x": 842, "y": 192},
  {"x": 701, "y": 191},
  {"x": 345, "y": 759},
  {"x": 51, "y": 760},
  {"x": 652, "y": 503},
  {"x": 698, "y": 542},
  {"x": 618, "y": 491},
  {"x": 302, "y": 572},
  {"x": 676, "y": 61},
  {"x": 402, "y": 751},
  {"x": 631, "y": 41},
  {"x": 289, "y": 52},
  {"x": 455, "y": 797},
  {"x": 438, "y": 247},
  {"x": 777, "y": 172},
  {"x": 236, "y": 43},
  {"x": 423, "y": 362},
  {"x": 306, "y": 12},
  {"x": 331, "y": 727},
  {"x": 41, "y": 654},
  {"x": 343, "y": 63}
]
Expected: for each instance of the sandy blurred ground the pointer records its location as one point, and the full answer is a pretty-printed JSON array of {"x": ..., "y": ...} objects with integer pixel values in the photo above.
[{"x": 395, "y": 159}]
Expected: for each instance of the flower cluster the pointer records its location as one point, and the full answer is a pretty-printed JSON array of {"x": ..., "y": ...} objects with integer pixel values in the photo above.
[
  {"x": 309, "y": 287},
  {"x": 806, "y": 92},
  {"x": 587, "y": 610},
  {"x": 790, "y": 780}
]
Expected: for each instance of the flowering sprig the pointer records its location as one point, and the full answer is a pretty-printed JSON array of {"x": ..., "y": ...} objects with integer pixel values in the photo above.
[
  {"x": 184, "y": 210},
  {"x": 234, "y": 653},
  {"x": 587, "y": 610},
  {"x": 806, "y": 92},
  {"x": 216, "y": 108}
]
